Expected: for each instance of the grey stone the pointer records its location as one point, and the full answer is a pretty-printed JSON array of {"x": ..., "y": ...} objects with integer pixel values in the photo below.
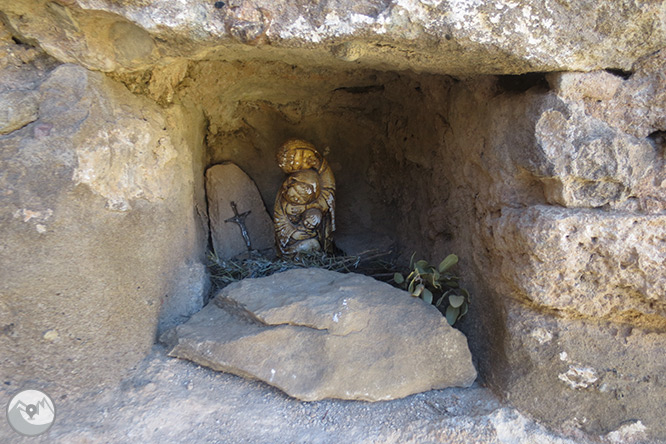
[
  {"x": 189, "y": 288},
  {"x": 465, "y": 165},
  {"x": 581, "y": 374},
  {"x": 97, "y": 226},
  {"x": 17, "y": 109},
  {"x": 226, "y": 183},
  {"x": 586, "y": 163},
  {"x": 634, "y": 105},
  {"x": 595, "y": 148},
  {"x": 574, "y": 159},
  {"x": 319, "y": 334}
]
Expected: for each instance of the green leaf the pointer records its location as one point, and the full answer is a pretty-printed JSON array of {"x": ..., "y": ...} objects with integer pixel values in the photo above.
[
  {"x": 452, "y": 284},
  {"x": 427, "y": 296},
  {"x": 439, "y": 301},
  {"x": 456, "y": 301},
  {"x": 411, "y": 260},
  {"x": 465, "y": 293},
  {"x": 411, "y": 286},
  {"x": 463, "y": 311},
  {"x": 419, "y": 268},
  {"x": 448, "y": 262},
  {"x": 430, "y": 278},
  {"x": 418, "y": 290},
  {"x": 446, "y": 293},
  {"x": 398, "y": 278},
  {"x": 427, "y": 277},
  {"x": 452, "y": 314},
  {"x": 423, "y": 264}
]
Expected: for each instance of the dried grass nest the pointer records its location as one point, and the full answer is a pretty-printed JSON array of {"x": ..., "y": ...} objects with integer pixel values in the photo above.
[{"x": 375, "y": 263}]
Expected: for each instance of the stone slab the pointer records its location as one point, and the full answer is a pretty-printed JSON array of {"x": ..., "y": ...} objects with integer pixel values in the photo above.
[
  {"x": 319, "y": 334},
  {"x": 226, "y": 183}
]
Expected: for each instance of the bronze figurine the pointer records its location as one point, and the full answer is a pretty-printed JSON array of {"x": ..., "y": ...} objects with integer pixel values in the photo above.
[{"x": 304, "y": 214}]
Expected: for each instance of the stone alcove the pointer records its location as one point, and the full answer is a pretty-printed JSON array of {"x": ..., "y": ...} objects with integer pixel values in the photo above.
[
  {"x": 548, "y": 186},
  {"x": 400, "y": 143},
  {"x": 365, "y": 119},
  {"x": 513, "y": 174}
]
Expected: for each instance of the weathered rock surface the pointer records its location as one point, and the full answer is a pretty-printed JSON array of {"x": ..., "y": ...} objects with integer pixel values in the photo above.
[
  {"x": 600, "y": 145},
  {"x": 164, "y": 399},
  {"x": 97, "y": 225},
  {"x": 17, "y": 109},
  {"x": 568, "y": 231},
  {"x": 190, "y": 284},
  {"x": 576, "y": 373},
  {"x": 434, "y": 35},
  {"x": 498, "y": 170},
  {"x": 634, "y": 105},
  {"x": 585, "y": 163},
  {"x": 585, "y": 262},
  {"x": 226, "y": 183},
  {"x": 319, "y": 334}
]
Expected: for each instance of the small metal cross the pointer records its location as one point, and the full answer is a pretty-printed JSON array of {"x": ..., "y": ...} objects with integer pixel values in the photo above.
[{"x": 240, "y": 220}]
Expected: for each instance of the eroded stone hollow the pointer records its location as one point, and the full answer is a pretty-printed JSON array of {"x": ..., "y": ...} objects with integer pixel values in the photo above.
[
  {"x": 538, "y": 182},
  {"x": 548, "y": 185},
  {"x": 381, "y": 131}
]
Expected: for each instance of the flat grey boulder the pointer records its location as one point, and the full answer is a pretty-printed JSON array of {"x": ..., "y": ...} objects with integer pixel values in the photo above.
[{"x": 318, "y": 334}]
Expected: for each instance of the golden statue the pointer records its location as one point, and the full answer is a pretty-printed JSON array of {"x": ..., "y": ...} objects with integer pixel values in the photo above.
[{"x": 304, "y": 214}]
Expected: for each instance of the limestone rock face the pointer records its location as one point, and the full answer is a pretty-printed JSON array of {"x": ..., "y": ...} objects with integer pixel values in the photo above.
[
  {"x": 191, "y": 284},
  {"x": 226, "y": 183},
  {"x": 318, "y": 334},
  {"x": 585, "y": 262},
  {"x": 97, "y": 225},
  {"x": 583, "y": 373},
  {"x": 440, "y": 35},
  {"x": 634, "y": 105},
  {"x": 599, "y": 146},
  {"x": 550, "y": 188},
  {"x": 563, "y": 185},
  {"x": 593, "y": 165}
]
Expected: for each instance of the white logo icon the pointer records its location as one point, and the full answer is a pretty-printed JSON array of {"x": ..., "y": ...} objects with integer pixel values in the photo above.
[{"x": 31, "y": 412}]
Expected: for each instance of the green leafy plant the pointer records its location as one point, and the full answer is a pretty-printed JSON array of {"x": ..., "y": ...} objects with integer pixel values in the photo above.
[{"x": 436, "y": 285}]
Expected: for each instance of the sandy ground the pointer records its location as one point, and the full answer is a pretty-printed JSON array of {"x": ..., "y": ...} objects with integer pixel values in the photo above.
[{"x": 167, "y": 400}]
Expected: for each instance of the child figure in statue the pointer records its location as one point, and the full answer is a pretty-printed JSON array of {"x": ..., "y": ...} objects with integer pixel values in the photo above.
[
  {"x": 304, "y": 207},
  {"x": 306, "y": 238}
]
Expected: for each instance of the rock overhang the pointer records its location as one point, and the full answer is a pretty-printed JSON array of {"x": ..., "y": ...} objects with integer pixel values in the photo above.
[{"x": 438, "y": 36}]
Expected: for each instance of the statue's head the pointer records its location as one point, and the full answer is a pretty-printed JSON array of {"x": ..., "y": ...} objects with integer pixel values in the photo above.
[
  {"x": 301, "y": 187},
  {"x": 295, "y": 155}
]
